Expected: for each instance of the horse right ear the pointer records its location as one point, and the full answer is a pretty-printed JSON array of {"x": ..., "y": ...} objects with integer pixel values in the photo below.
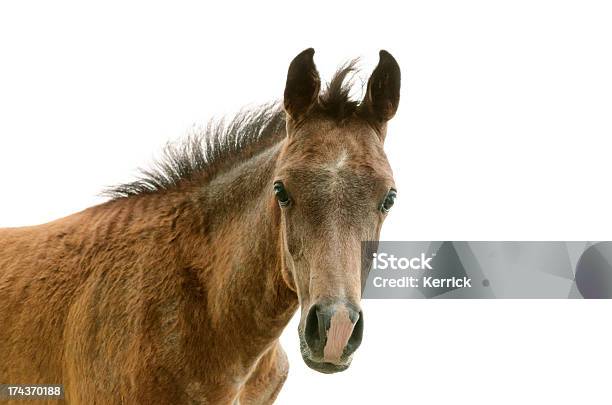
[
  {"x": 383, "y": 91},
  {"x": 303, "y": 83}
]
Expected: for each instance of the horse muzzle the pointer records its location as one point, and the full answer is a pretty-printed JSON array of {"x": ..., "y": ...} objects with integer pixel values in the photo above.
[{"x": 332, "y": 333}]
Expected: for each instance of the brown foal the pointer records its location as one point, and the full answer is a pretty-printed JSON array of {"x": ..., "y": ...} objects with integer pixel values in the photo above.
[{"x": 177, "y": 289}]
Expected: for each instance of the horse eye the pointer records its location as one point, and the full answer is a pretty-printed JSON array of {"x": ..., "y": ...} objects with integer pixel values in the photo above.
[
  {"x": 281, "y": 194},
  {"x": 389, "y": 201}
]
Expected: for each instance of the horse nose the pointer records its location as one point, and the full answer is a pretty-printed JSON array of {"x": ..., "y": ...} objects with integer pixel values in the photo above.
[{"x": 333, "y": 331}]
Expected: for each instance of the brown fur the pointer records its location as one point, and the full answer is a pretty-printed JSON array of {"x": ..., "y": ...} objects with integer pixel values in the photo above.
[{"x": 179, "y": 294}]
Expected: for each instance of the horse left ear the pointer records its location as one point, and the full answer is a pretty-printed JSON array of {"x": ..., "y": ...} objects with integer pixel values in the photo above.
[
  {"x": 383, "y": 92},
  {"x": 302, "y": 87}
]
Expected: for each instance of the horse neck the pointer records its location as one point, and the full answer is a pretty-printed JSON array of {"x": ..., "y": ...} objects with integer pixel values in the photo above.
[{"x": 237, "y": 252}]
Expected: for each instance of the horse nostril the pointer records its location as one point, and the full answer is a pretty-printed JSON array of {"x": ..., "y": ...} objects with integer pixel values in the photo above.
[
  {"x": 312, "y": 330},
  {"x": 357, "y": 335}
]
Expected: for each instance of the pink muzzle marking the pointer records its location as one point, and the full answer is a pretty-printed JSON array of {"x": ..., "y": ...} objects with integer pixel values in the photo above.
[{"x": 338, "y": 335}]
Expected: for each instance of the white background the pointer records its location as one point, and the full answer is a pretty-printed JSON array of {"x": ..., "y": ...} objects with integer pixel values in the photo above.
[{"x": 503, "y": 133}]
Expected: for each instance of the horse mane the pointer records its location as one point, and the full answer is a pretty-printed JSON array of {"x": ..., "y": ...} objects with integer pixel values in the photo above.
[{"x": 222, "y": 144}]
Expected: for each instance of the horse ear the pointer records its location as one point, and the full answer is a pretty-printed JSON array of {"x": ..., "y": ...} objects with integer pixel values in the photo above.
[
  {"x": 383, "y": 92},
  {"x": 303, "y": 83}
]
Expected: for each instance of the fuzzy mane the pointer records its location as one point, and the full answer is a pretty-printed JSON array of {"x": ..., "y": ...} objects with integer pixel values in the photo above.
[{"x": 223, "y": 144}]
